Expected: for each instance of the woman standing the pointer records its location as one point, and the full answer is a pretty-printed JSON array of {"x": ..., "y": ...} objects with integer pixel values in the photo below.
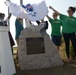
[
  {"x": 18, "y": 28},
  {"x": 68, "y": 29},
  {"x": 56, "y": 29}
]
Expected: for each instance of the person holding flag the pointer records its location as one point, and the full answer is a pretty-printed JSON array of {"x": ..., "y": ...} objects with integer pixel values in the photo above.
[{"x": 32, "y": 12}]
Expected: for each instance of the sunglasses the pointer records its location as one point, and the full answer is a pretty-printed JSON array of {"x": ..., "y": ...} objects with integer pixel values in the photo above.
[
  {"x": 54, "y": 15},
  {"x": 69, "y": 11}
]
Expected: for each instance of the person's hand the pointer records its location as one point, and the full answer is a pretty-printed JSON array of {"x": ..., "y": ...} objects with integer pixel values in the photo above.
[
  {"x": 75, "y": 7},
  {"x": 9, "y": 0},
  {"x": 50, "y": 7},
  {"x": 6, "y": 2}
]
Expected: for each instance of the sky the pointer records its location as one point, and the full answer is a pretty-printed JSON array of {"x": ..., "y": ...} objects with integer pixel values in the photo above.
[{"x": 59, "y": 5}]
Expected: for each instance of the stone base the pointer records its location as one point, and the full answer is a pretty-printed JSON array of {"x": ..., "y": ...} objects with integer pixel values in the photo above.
[{"x": 49, "y": 58}]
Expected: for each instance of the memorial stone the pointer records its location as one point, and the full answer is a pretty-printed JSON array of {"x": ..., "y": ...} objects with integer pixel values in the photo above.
[{"x": 37, "y": 51}]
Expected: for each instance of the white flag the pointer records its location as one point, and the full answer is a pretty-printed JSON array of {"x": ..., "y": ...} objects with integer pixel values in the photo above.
[{"x": 32, "y": 12}]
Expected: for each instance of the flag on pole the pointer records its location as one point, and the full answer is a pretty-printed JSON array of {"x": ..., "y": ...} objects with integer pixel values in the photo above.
[{"x": 32, "y": 12}]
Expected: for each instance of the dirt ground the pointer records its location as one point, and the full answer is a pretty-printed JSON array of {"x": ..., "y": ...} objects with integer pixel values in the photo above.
[{"x": 66, "y": 69}]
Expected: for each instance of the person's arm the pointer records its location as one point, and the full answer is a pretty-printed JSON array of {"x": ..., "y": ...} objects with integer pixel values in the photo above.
[
  {"x": 6, "y": 2},
  {"x": 75, "y": 26},
  {"x": 46, "y": 26},
  {"x": 38, "y": 22},
  {"x": 48, "y": 17},
  {"x": 61, "y": 22},
  {"x": 8, "y": 17},
  {"x": 30, "y": 22},
  {"x": 50, "y": 7}
]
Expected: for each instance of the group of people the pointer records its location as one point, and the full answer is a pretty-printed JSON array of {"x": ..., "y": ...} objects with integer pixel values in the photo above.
[{"x": 68, "y": 24}]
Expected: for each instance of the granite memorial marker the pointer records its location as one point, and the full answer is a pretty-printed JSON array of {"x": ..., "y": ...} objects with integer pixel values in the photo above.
[{"x": 37, "y": 51}]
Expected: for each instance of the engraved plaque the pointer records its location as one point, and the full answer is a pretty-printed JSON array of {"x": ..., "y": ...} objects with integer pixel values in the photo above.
[{"x": 35, "y": 45}]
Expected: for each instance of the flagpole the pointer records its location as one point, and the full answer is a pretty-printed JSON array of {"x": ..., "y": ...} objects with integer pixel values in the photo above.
[
  {"x": 8, "y": 19},
  {"x": 8, "y": 14},
  {"x": 21, "y": 2}
]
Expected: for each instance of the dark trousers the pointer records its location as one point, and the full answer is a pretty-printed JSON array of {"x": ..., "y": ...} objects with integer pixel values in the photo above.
[{"x": 67, "y": 38}]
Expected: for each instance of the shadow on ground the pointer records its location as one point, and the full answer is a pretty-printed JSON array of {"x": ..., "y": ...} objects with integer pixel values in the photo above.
[{"x": 66, "y": 69}]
